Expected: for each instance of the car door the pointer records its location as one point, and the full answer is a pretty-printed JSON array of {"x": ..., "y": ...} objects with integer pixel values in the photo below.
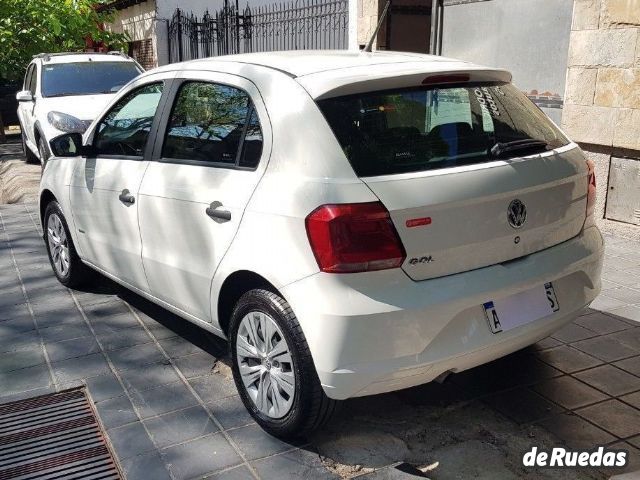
[
  {"x": 26, "y": 109},
  {"x": 216, "y": 142},
  {"x": 104, "y": 186}
]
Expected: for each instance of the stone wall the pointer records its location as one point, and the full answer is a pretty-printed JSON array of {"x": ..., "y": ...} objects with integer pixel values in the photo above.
[
  {"x": 603, "y": 77},
  {"x": 602, "y": 96}
]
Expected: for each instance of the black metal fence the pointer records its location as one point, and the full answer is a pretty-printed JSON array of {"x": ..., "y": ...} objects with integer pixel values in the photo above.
[{"x": 297, "y": 25}]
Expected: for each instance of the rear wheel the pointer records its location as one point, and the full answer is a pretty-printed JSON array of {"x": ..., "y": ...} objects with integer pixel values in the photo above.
[
  {"x": 29, "y": 155},
  {"x": 273, "y": 369},
  {"x": 64, "y": 259}
]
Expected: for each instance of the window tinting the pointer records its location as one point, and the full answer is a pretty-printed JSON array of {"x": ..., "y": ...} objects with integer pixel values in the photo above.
[
  {"x": 86, "y": 78},
  {"x": 412, "y": 130},
  {"x": 125, "y": 129},
  {"x": 207, "y": 124}
]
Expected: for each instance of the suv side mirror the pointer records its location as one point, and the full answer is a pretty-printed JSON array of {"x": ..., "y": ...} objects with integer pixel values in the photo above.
[
  {"x": 24, "y": 96},
  {"x": 69, "y": 145}
]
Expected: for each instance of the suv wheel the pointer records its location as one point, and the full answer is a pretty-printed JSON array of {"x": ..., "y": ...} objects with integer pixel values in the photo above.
[
  {"x": 273, "y": 369},
  {"x": 29, "y": 156},
  {"x": 65, "y": 262},
  {"x": 43, "y": 151}
]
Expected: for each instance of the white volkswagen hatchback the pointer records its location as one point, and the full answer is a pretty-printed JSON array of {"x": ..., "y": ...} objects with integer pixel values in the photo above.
[{"x": 354, "y": 223}]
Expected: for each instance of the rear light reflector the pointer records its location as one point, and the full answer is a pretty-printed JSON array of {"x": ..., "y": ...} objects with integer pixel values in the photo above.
[
  {"x": 355, "y": 237},
  {"x": 418, "y": 222},
  {"x": 591, "y": 188}
]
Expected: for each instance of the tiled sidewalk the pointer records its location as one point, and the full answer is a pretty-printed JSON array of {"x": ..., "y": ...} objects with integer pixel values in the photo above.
[{"x": 170, "y": 408}]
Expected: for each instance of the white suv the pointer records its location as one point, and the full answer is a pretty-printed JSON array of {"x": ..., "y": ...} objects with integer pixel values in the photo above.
[
  {"x": 354, "y": 223},
  {"x": 64, "y": 92}
]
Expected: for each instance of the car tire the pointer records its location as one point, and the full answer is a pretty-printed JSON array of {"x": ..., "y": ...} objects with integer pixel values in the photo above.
[
  {"x": 28, "y": 154},
  {"x": 43, "y": 151},
  {"x": 308, "y": 406},
  {"x": 65, "y": 262}
]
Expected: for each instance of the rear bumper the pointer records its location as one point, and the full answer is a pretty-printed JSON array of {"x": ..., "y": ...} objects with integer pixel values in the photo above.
[{"x": 380, "y": 331}]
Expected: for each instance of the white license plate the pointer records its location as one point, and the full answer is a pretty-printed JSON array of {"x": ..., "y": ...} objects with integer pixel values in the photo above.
[{"x": 522, "y": 308}]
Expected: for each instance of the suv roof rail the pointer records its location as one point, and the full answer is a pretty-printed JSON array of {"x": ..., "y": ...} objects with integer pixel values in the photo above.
[{"x": 47, "y": 56}]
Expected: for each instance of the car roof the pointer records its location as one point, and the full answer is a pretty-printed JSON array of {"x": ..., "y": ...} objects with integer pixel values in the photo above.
[{"x": 325, "y": 73}]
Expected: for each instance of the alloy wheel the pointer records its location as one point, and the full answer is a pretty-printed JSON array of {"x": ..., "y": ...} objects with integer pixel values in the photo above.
[
  {"x": 265, "y": 364},
  {"x": 58, "y": 245}
]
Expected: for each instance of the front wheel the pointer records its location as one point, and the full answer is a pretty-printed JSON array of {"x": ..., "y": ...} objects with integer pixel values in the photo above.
[
  {"x": 64, "y": 259},
  {"x": 29, "y": 155},
  {"x": 273, "y": 369},
  {"x": 43, "y": 151}
]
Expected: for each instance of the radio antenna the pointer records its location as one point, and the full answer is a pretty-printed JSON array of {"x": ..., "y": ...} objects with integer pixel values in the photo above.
[{"x": 369, "y": 45}]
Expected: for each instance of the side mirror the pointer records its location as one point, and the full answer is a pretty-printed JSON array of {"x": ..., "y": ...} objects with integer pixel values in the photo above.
[
  {"x": 69, "y": 145},
  {"x": 24, "y": 96}
]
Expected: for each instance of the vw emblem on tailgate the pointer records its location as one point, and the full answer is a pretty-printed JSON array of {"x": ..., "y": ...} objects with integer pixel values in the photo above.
[{"x": 516, "y": 213}]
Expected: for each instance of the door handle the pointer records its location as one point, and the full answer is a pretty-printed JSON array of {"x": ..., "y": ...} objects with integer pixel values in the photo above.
[
  {"x": 126, "y": 197},
  {"x": 215, "y": 212}
]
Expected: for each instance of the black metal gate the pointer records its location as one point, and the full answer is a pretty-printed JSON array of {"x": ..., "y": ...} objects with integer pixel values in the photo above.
[{"x": 297, "y": 25}]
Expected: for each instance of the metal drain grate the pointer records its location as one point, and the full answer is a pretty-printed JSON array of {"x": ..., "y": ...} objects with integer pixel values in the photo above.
[{"x": 54, "y": 436}]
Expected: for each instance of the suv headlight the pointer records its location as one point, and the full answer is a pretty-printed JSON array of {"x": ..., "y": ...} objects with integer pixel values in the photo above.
[{"x": 66, "y": 123}]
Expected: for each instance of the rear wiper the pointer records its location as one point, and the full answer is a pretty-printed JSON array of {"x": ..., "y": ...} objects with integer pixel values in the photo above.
[{"x": 525, "y": 144}]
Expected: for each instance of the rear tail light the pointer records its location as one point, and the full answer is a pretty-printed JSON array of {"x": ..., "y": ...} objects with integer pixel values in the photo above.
[
  {"x": 591, "y": 192},
  {"x": 356, "y": 237}
]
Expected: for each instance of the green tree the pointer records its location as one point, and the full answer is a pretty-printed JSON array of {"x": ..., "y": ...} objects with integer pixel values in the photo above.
[{"x": 28, "y": 27}]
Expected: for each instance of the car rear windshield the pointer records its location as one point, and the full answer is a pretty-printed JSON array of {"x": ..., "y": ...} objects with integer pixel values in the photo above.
[
  {"x": 411, "y": 130},
  {"x": 86, "y": 78}
]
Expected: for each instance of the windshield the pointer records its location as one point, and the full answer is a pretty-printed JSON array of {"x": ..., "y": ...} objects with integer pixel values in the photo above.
[
  {"x": 410, "y": 130},
  {"x": 86, "y": 78}
]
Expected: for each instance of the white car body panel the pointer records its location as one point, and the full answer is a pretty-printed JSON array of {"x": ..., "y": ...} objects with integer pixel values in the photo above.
[{"x": 368, "y": 332}]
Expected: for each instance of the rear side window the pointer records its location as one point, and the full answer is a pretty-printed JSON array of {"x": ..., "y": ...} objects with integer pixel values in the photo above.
[
  {"x": 215, "y": 124},
  {"x": 412, "y": 130}
]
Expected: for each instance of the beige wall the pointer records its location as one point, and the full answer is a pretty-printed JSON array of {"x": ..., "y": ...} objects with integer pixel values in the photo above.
[
  {"x": 603, "y": 77},
  {"x": 138, "y": 21}
]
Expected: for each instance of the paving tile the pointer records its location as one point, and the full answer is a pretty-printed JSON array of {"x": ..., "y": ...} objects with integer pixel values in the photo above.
[
  {"x": 256, "y": 443},
  {"x": 610, "y": 380},
  {"x": 545, "y": 343},
  {"x": 64, "y": 332},
  {"x": 124, "y": 338},
  {"x": 6, "y": 396},
  {"x": 25, "y": 379},
  {"x": 160, "y": 332},
  {"x": 568, "y": 392},
  {"x": 13, "y": 312},
  {"x": 163, "y": 399},
  {"x": 76, "y": 347},
  {"x": 630, "y": 314},
  {"x": 20, "y": 341},
  {"x": 116, "y": 412},
  {"x": 614, "y": 416},
  {"x": 214, "y": 387},
  {"x": 179, "y": 347},
  {"x": 21, "y": 359},
  {"x": 230, "y": 412},
  {"x": 236, "y": 473},
  {"x": 149, "y": 376},
  {"x": 293, "y": 465},
  {"x": 105, "y": 310},
  {"x": 17, "y": 325},
  {"x": 82, "y": 367},
  {"x": 635, "y": 441},
  {"x": 630, "y": 338},
  {"x": 567, "y": 359},
  {"x": 632, "y": 399},
  {"x": 624, "y": 294},
  {"x": 601, "y": 323},
  {"x": 104, "y": 387},
  {"x": 145, "y": 467},
  {"x": 199, "y": 457},
  {"x": 10, "y": 297},
  {"x": 136, "y": 356},
  {"x": 633, "y": 464},
  {"x": 631, "y": 365},
  {"x": 606, "y": 348},
  {"x": 180, "y": 426},
  {"x": 572, "y": 333},
  {"x": 576, "y": 432},
  {"x": 59, "y": 318},
  {"x": 130, "y": 440},
  {"x": 196, "y": 365},
  {"x": 116, "y": 324},
  {"x": 522, "y": 405},
  {"x": 605, "y": 303}
]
